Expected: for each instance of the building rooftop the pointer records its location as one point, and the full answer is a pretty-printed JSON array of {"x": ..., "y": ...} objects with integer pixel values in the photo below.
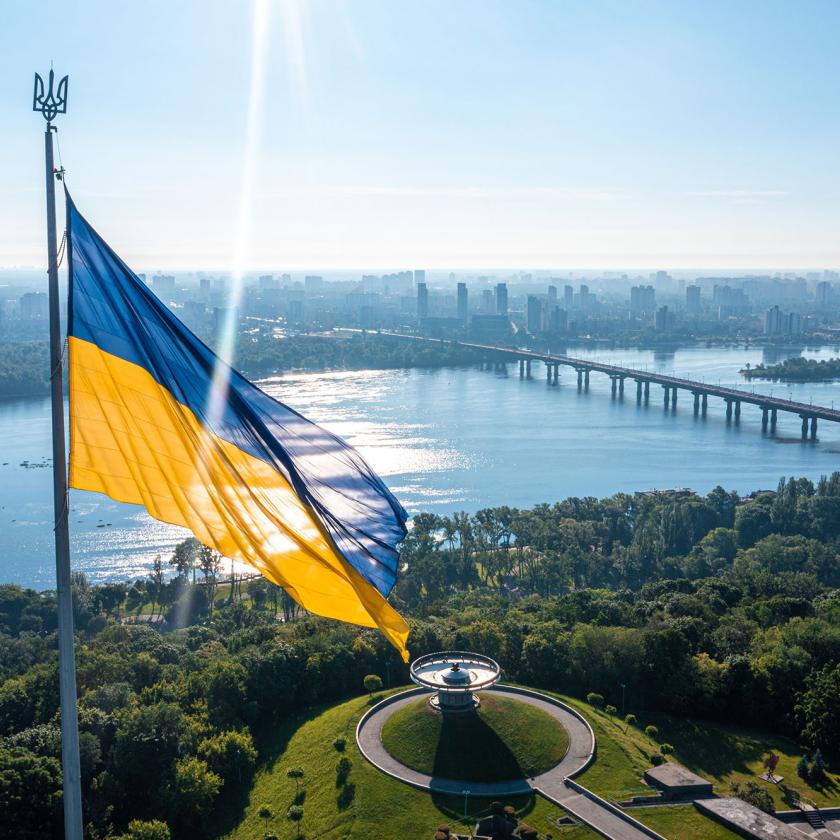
[{"x": 672, "y": 776}]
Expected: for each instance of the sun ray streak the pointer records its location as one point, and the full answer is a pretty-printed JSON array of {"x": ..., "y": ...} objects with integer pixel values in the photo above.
[{"x": 242, "y": 242}]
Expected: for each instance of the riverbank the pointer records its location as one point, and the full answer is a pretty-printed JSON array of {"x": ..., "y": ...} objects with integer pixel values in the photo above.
[{"x": 796, "y": 370}]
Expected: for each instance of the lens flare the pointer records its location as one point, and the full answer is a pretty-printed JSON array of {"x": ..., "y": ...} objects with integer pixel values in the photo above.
[{"x": 256, "y": 95}]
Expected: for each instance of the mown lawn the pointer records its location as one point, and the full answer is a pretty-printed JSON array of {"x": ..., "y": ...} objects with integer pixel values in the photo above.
[
  {"x": 721, "y": 754},
  {"x": 370, "y": 804},
  {"x": 682, "y": 822},
  {"x": 506, "y": 739}
]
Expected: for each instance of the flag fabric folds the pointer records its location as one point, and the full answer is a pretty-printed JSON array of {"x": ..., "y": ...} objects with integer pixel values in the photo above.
[{"x": 156, "y": 419}]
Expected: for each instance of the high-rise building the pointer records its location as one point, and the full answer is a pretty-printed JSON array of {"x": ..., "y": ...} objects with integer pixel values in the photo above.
[
  {"x": 642, "y": 299},
  {"x": 269, "y": 281},
  {"x": 313, "y": 283},
  {"x": 205, "y": 284},
  {"x": 552, "y": 298},
  {"x": 501, "y": 299},
  {"x": 462, "y": 302},
  {"x": 487, "y": 302},
  {"x": 568, "y": 298},
  {"x": 692, "y": 300},
  {"x": 558, "y": 320},
  {"x": 534, "y": 315},
  {"x": 662, "y": 320},
  {"x": 33, "y": 306},
  {"x": 773, "y": 321},
  {"x": 422, "y": 301},
  {"x": 823, "y": 292},
  {"x": 164, "y": 284},
  {"x": 419, "y": 276}
]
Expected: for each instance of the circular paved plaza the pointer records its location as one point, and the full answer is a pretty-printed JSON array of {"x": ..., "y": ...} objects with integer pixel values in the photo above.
[{"x": 578, "y": 755}]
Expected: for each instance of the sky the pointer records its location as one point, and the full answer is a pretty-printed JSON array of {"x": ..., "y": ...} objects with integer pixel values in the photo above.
[{"x": 383, "y": 134}]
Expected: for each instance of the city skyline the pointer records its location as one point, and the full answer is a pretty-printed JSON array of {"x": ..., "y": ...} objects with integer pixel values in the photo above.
[{"x": 294, "y": 136}]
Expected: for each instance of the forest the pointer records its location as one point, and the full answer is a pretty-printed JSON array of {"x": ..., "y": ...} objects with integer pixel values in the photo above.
[
  {"x": 726, "y": 606},
  {"x": 24, "y": 368},
  {"x": 796, "y": 370}
]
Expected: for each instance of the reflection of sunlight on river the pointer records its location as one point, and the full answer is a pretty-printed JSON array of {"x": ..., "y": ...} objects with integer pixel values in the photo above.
[{"x": 446, "y": 440}]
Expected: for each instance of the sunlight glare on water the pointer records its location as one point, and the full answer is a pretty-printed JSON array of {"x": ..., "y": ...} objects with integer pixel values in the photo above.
[{"x": 447, "y": 440}]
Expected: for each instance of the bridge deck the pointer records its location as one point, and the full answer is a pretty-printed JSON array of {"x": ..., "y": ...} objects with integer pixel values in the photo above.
[{"x": 733, "y": 394}]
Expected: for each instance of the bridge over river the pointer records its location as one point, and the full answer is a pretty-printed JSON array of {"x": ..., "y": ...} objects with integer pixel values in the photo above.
[{"x": 496, "y": 355}]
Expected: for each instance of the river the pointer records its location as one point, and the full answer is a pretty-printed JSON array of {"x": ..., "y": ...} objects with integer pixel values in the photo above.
[{"x": 452, "y": 439}]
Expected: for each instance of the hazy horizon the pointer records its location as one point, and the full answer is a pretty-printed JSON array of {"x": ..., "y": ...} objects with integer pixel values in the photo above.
[{"x": 331, "y": 135}]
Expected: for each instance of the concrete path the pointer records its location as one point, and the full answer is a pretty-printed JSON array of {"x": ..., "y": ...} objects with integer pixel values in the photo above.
[{"x": 606, "y": 819}]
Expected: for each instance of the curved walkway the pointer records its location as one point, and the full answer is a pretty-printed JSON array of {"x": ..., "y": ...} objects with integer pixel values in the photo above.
[
  {"x": 578, "y": 755},
  {"x": 555, "y": 784}
]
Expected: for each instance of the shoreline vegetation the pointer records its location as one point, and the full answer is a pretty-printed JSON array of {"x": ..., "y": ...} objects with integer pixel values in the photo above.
[
  {"x": 648, "y": 604},
  {"x": 796, "y": 370},
  {"x": 24, "y": 366}
]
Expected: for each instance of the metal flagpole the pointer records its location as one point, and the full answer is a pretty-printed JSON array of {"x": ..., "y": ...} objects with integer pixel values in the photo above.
[{"x": 50, "y": 104}]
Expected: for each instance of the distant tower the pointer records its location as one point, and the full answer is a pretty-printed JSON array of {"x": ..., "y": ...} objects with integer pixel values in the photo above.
[
  {"x": 422, "y": 301},
  {"x": 501, "y": 299},
  {"x": 535, "y": 314},
  {"x": 419, "y": 276},
  {"x": 692, "y": 300},
  {"x": 462, "y": 302},
  {"x": 552, "y": 297},
  {"x": 568, "y": 298}
]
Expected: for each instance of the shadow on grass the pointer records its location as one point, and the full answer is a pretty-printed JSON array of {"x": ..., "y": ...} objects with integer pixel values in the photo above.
[
  {"x": 453, "y": 806},
  {"x": 346, "y": 796},
  {"x": 467, "y": 748},
  {"x": 273, "y": 739},
  {"x": 715, "y": 749}
]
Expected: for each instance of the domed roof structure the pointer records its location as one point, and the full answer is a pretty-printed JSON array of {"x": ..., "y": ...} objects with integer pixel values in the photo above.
[{"x": 454, "y": 675}]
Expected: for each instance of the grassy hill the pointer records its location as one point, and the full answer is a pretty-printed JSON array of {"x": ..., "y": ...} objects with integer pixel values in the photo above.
[
  {"x": 506, "y": 739},
  {"x": 370, "y": 804}
]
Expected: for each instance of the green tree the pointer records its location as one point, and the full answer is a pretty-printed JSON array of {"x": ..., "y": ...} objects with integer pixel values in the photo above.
[
  {"x": 297, "y": 774},
  {"x": 595, "y": 699},
  {"x": 266, "y": 814},
  {"x": 373, "y": 682},
  {"x": 30, "y": 794},
  {"x": 193, "y": 791},
  {"x": 231, "y": 755},
  {"x": 818, "y": 710},
  {"x": 753, "y": 794},
  {"x": 295, "y": 815},
  {"x": 147, "y": 830},
  {"x": 803, "y": 768}
]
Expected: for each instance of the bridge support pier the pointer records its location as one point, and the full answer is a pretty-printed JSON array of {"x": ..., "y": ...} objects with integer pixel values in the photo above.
[
  {"x": 674, "y": 397},
  {"x": 704, "y": 404},
  {"x": 580, "y": 379},
  {"x": 772, "y": 418},
  {"x": 586, "y": 381},
  {"x": 638, "y": 390},
  {"x": 813, "y": 428},
  {"x": 548, "y": 372},
  {"x": 737, "y": 410},
  {"x": 522, "y": 368},
  {"x": 621, "y": 386},
  {"x": 667, "y": 391},
  {"x": 527, "y": 368},
  {"x": 764, "y": 413},
  {"x": 556, "y": 372},
  {"x": 647, "y": 391},
  {"x": 804, "y": 426},
  {"x": 613, "y": 385},
  {"x": 696, "y": 403},
  {"x": 729, "y": 409}
]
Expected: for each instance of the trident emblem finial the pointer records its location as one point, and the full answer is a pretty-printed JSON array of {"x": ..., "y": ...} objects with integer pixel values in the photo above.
[{"x": 50, "y": 104}]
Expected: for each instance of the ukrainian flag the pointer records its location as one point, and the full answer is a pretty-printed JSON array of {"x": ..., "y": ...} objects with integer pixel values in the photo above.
[{"x": 250, "y": 477}]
